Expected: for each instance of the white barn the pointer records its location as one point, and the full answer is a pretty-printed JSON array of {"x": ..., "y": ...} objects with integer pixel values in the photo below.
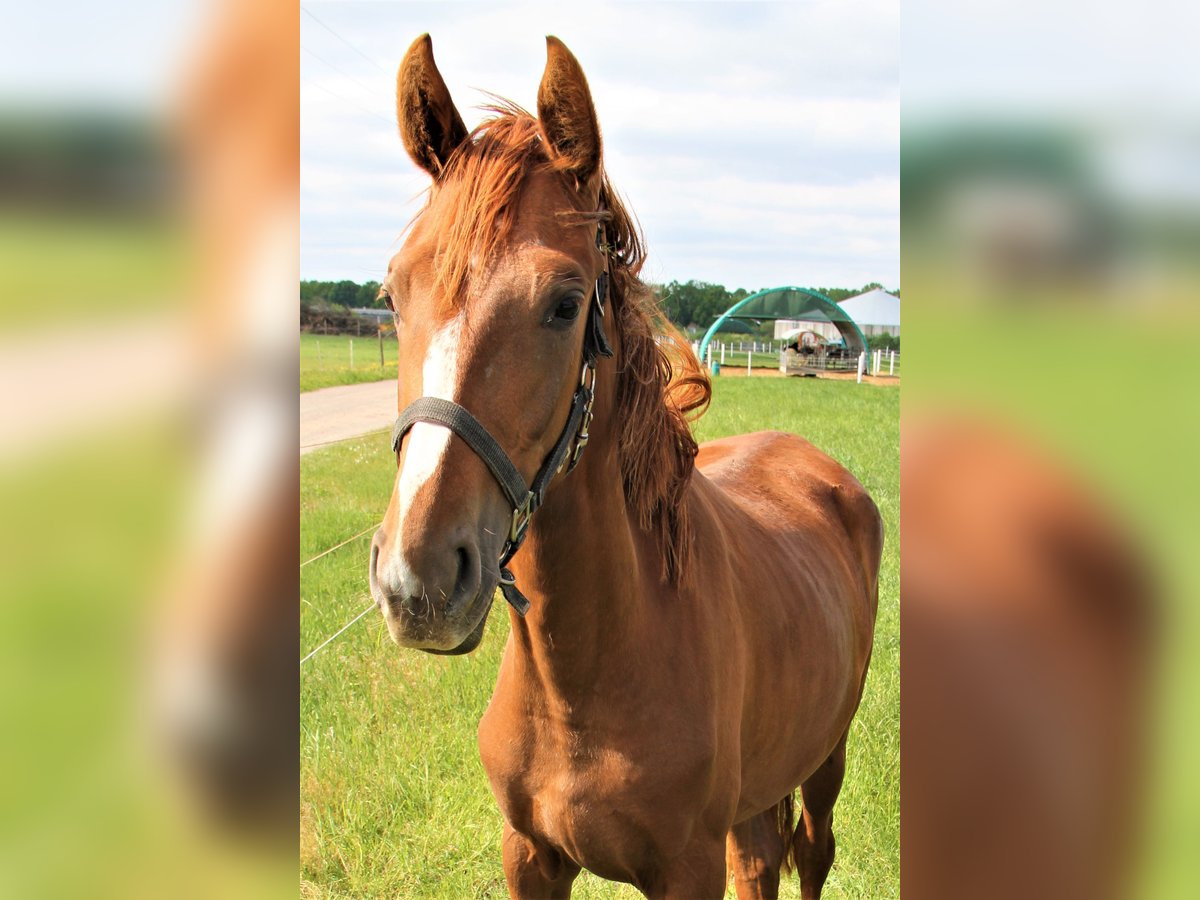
[{"x": 875, "y": 312}]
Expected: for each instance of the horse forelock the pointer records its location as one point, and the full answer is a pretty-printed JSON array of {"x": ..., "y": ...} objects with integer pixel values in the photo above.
[
  {"x": 480, "y": 188},
  {"x": 661, "y": 387}
]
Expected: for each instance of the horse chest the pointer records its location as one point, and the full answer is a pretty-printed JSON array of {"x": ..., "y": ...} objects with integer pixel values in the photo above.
[
  {"x": 612, "y": 810},
  {"x": 604, "y": 815},
  {"x": 571, "y": 805}
]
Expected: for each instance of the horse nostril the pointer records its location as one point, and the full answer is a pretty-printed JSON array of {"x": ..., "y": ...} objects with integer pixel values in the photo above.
[
  {"x": 374, "y": 564},
  {"x": 466, "y": 580},
  {"x": 464, "y": 567},
  {"x": 414, "y": 605}
]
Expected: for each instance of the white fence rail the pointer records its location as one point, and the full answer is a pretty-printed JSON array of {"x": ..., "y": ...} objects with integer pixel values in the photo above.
[{"x": 763, "y": 354}]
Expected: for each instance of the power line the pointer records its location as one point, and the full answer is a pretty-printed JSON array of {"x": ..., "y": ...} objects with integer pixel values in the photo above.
[
  {"x": 341, "y": 440},
  {"x": 312, "y": 16},
  {"x": 346, "y": 100},
  {"x": 338, "y": 546},
  {"x": 325, "y": 643},
  {"x": 371, "y": 91}
]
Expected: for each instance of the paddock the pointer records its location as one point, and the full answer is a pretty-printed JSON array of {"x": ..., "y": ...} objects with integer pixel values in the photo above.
[{"x": 394, "y": 800}]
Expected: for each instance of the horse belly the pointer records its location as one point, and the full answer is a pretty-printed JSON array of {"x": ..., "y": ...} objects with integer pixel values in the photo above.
[
  {"x": 802, "y": 688},
  {"x": 777, "y": 764}
]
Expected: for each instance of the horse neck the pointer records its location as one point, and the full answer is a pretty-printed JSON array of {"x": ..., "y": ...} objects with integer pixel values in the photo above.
[{"x": 581, "y": 569}]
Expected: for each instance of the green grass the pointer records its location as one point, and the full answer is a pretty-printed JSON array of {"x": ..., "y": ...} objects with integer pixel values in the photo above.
[
  {"x": 394, "y": 798},
  {"x": 325, "y": 360},
  {"x": 737, "y": 359},
  {"x": 63, "y": 269}
]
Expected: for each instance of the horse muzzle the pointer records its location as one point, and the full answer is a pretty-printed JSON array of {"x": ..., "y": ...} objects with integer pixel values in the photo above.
[{"x": 432, "y": 597}]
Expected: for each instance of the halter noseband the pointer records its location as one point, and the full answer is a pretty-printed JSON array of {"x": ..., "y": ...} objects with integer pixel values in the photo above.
[{"x": 525, "y": 500}]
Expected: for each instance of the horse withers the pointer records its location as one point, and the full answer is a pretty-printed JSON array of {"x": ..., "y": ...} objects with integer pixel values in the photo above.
[{"x": 690, "y": 626}]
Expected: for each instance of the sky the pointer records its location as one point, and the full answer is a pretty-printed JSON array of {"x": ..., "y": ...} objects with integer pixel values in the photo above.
[{"x": 757, "y": 143}]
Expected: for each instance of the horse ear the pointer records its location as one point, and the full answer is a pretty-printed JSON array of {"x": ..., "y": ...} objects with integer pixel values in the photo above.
[
  {"x": 430, "y": 126},
  {"x": 567, "y": 115}
]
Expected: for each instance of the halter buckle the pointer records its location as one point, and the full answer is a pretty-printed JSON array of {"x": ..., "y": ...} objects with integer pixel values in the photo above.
[
  {"x": 520, "y": 520},
  {"x": 585, "y": 422},
  {"x": 581, "y": 439},
  {"x": 602, "y": 290}
]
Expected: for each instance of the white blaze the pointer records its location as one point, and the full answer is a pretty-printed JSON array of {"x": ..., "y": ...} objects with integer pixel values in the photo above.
[{"x": 426, "y": 444}]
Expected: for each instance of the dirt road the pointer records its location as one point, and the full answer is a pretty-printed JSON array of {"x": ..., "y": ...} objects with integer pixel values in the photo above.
[{"x": 336, "y": 413}]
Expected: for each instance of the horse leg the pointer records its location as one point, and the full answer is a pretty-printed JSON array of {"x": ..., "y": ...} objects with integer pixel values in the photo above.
[
  {"x": 534, "y": 869},
  {"x": 813, "y": 844},
  {"x": 754, "y": 850}
]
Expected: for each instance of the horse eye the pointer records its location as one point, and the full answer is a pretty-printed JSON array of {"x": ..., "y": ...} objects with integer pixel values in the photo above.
[
  {"x": 568, "y": 308},
  {"x": 387, "y": 298}
]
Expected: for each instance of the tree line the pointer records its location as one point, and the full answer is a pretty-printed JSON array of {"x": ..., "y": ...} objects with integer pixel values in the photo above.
[
  {"x": 696, "y": 304},
  {"x": 345, "y": 293},
  {"x": 689, "y": 305}
]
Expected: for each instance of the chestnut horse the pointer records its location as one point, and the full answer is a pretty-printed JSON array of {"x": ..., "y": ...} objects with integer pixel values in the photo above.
[{"x": 699, "y": 620}]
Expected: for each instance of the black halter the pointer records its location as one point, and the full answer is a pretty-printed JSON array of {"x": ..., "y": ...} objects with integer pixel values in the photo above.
[{"x": 525, "y": 500}]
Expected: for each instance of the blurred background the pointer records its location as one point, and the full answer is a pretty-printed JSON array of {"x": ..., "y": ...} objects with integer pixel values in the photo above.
[
  {"x": 148, "y": 256},
  {"x": 1050, "y": 229}
]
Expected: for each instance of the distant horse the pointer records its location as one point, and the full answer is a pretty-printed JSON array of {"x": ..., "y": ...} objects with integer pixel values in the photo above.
[
  {"x": 699, "y": 619},
  {"x": 1031, "y": 619},
  {"x": 225, "y": 642}
]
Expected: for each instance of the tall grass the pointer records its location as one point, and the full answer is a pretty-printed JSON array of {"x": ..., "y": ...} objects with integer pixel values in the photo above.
[{"x": 394, "y": 801}]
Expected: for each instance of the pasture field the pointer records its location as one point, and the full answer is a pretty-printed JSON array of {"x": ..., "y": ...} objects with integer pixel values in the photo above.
[
  {"x": 325, "y": 360},
  {"x": 394, "y": 800}
]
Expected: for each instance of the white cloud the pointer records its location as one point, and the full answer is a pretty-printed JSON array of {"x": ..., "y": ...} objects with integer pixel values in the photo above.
[{"x": 758, "y": 143}]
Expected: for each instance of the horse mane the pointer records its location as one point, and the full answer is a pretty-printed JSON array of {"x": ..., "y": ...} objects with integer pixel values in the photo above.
[{"x": 661, "y": 387}]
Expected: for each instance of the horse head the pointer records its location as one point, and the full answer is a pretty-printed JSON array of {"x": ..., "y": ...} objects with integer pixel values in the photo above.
[{"x": 492, "y": 293}]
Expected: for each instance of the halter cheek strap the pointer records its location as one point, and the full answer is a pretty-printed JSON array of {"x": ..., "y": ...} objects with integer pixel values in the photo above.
[{"x": 525, "y": 500}]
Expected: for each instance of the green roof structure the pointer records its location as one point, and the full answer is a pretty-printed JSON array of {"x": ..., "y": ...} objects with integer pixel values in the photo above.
[{"x": 800, "y": 304}]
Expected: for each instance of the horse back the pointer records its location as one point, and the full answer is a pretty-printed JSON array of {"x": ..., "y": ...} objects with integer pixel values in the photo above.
[{"x": 782, "y": 483}]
